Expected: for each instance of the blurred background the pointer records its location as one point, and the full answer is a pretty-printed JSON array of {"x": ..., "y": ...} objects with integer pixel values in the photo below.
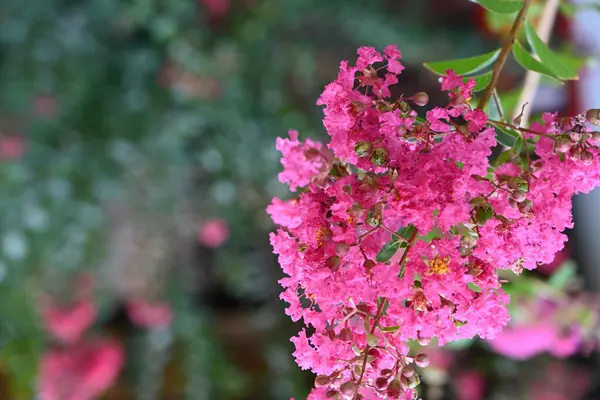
[{"x": 136, "y": 161}]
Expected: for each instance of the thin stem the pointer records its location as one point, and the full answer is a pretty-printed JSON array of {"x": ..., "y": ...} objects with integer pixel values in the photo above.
[
  {"x": 411, "y": 241},
  {"x": 497, "y": 103},
  {"x": 506, "y": 49},
  {"x": 518, "y": 128}
]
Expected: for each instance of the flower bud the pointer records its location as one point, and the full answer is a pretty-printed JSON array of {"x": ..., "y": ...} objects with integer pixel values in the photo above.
[
  {"x": 408, "y": 371},
  {"x": 331, "y": 393},
  {"x": 394, "y": 388},
  {"x": 374, "y": 216},
  {"x": 381, "y": 383},
  {"x": 368, "y": 264},
  {"x": 379, "y": 156},
  {"x": 423, "y": 341},
  {"x": 333, "y": 263},
  {"x": 519, "y": 195},
  {"x": 525, "y": 206},
  {"x": 321, "y": 380},
  {"x": 348, "y": 388},
  {"x": 596, "y": 136},
  {"x": 593, "y": 116},
  {"x": 404, "y": 107},
  {"x": 413, "y": 381},
  {"x": 563, "y": 144},
  {"x": 386, "y": 372},
  {"x": 586, "y": 157},
  {"x": 346, "y": 335},
  {"x": 422, "y": 360},
  {"x": 363, "y": 149},
  {"x": 372, "y": 339},
  {"x": 421, "y": 99}
]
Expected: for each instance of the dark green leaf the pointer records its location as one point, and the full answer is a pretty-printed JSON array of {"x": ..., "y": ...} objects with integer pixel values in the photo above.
[
  {"x": 548, "y": 58},
  {"x": 388, "y": 251},
  {"x": 407, "y": 232},
  {"x": 502, "y": 6},
  {"x": 518, "y": 146},
  {"x": 463, "y": 66},
  {"x": 506, "y": 136},
  {"x": 527, "y": 61}
]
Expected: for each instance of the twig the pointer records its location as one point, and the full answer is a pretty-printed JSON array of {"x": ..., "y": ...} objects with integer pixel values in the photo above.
[
  {"x": 518, "y": 128},
  {"x": 506, "y": 49},
  {"x": 532, "y": 79},
  {"x": 498, "y": 105}
]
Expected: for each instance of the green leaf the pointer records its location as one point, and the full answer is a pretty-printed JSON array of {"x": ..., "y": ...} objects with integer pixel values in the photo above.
[
  {"x": 503, "y": 158},
  {"x": 561, "y": 278},
  {"x": 502, "y": 6},
  {"x": 464, "y": 66},
  {"x": 473, "y": 287},
  {"x": 547, "y": 57},
  {"x": 527, "y": 61},
  {"x": 506, "y": 136},
  {"x": 385, "y": 306},
  {"x": 407, "y": 232},
  {"x": 390, "y": 328},
  {"x": 481, "y": 81},
  {"x": 518, "y": 146},
  {"x": 388, "y": 251},
  {"x": 435, "y": 233}
]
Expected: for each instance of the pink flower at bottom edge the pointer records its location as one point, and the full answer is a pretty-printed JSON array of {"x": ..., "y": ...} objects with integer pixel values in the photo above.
[{"x": 80, "y": 372}]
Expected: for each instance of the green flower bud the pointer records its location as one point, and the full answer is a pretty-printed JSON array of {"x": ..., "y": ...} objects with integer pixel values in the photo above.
[
  {"x": 363, "y": 149},
  {"x": 379, "y": 156}
]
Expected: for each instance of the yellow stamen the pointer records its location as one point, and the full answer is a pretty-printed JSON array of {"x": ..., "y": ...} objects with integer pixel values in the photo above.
[{"x": 439, "y": 266}]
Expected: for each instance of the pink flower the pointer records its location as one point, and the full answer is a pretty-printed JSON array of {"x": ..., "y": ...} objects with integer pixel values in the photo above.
[
  {"x": 470, "y": 385},
  {"x": 81, "y": 372},
  {"x": 213, "y": 233},
  {"x": 68, "y": 323},
  {"x": 149, "y": 315},
  {"x": 11, "y": 147}
]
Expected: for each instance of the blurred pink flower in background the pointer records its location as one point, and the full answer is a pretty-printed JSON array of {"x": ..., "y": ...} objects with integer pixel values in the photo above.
[
  {"x": 80, "y": 372},
  {"x": 68, "y": 323},
  {"x": 217, "y": 9},
  {"x": 11, "y": 147},
  {"x": 469, "y": 385},
  {"x": 213, "y": 232},
  {"x": 149, "y": 315},
  {"x": 523, "y": 342},
  {"x": 44, "y": 105}
]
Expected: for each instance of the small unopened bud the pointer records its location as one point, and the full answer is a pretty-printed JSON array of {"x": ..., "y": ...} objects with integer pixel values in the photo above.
[
  {"x": 348, "y": 388},
  {"x": 386, "y": 372},
  {"x": 413, "y": 381},
  {"x": 394, "y": 388},
  {"x": 519, "y": 195},
  {"x": 379, "y": 156},
  {"x": 346, "y": 335},
  {"x": 381, "y": 383},
  {"x": 374, "y": 216},
  {"x": 586, "y": 157},
  {"x": 368, "y": 264},
  {"x": 331, "y": 393},
  {"x": 421, "y": 99},
  {"x": 525, "y": 206},
  {"x": 596, "y": 136},
  {"x": 404, "y": 107},
  {"x": 408, "y": 371},
  {"x": 321, "y": 380},
  {"x": 422, "y": 360},
  {"x": 423, "y": 341},
  {"x": 593, "y": 116},
  {"x": 372, "y": 339},
  {"x": 563, "y": 144},
  {"x": 363, "y": 149},
  {"x": 333, "y": 263}
]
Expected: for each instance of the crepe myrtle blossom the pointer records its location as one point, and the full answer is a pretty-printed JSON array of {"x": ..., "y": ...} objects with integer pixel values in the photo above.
[{"x": 402, "y": 223}]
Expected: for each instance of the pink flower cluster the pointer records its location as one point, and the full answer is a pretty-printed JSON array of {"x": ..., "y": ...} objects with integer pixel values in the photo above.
[{"x": 399, "y": 236}]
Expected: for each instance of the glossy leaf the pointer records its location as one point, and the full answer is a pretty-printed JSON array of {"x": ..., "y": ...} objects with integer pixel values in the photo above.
[
  {"x": 548, "y": 58},
  {"x": 464, "y": 66},
  {"x": 388, "y": 251},
  {"x": 407, "y": 232},
  {"x": 527, "y": 61},
  {"x": 518, "y": 145},
  {"x": 502, "y": 6},
  {"x": 506, "y": 136}
]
